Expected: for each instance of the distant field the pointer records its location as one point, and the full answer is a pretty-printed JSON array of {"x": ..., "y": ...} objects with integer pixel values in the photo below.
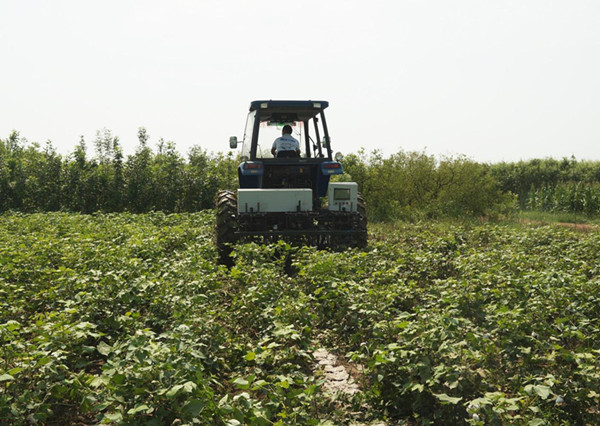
[{"x": 124, "y": 318}]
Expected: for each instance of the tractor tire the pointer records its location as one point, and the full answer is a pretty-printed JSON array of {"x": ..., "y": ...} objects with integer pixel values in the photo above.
[
  {"x": 226, "y": 226},
  {"x": 361, "y": 240}
]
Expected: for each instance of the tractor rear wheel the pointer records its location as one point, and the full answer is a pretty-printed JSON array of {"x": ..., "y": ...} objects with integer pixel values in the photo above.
[
  {"x": 226, "y": 225},
  {"x": 361, "y": 240}
]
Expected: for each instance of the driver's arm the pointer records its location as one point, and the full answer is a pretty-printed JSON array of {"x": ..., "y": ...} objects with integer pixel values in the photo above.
[{"x": 274, "y": 148}]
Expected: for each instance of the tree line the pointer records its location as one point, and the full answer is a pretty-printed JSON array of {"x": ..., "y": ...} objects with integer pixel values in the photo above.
[
  {"x": 37, "y": 178},
  {"x": 523, "y": 176},
  {"x": 414, "y": 185},
  {"x": 404, "y": 185},
  {"x": 566, "y": 185}
]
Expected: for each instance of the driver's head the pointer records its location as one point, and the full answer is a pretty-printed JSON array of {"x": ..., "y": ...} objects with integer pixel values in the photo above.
[{"x": 287, "y": 130}]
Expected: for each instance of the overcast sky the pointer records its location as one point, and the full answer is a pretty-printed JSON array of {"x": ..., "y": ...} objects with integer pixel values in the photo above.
[{"x": 493, "y": 80}]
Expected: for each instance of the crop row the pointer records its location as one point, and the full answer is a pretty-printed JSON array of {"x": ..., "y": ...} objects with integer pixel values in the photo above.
[{"x": 127, "y": 318}]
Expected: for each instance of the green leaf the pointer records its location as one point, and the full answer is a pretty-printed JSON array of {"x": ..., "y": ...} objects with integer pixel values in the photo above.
[
  {"x": 43, "y": 361},
  {"x": 6, "y": 378},
  {"x": 453, "y": 385},
  {"x": 112, "y": 417},
  {"x": 379, "y": 359},
  {"x": 536, "y": 422},
  {"x": 12, "y": 325},
  {"x": 417, "y": 387},
  {"x": 98, "y": 381},
  {"x": 194, "y": 407},
  {"x": 189, "y": 386},
  {"x": 103, "y": 348},
  {"x": 403, "y": 324},
  {"x": 118, "y": 379},
  {"x": 258, "y": 384},
  {"x": 138, "y": 409},
  {"x": 250, "y": 356},
  {"x": 542, "y": 391},
  {"x": 445, "y": 399},
  {"x": 241, "y": 383},
  {"x": 173, "y": 391}
]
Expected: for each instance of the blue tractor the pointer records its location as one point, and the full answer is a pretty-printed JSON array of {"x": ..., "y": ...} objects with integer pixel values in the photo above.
[{"x": 289, "y": 196}]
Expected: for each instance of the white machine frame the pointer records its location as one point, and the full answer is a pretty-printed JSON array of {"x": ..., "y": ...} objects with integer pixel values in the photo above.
[{"x": 274, "y": 200}]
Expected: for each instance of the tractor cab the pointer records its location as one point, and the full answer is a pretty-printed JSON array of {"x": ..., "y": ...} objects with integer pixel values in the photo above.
[{"x": 311, "y": 169}]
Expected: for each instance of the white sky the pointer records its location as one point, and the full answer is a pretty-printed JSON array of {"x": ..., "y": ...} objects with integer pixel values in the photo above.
[{"x": 494, "y": 80}]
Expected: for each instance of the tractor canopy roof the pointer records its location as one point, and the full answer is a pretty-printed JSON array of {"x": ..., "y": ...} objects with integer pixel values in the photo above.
[{"x": 286, "y": 111}]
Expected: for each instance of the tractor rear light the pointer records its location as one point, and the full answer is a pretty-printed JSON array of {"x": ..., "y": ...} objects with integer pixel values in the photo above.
[
  {"x": 252, "y": 168},
  {"x": 331, "y": 168}
]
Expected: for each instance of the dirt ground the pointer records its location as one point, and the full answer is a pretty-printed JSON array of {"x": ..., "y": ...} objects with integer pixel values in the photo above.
[{"x": 583, "y": 227}]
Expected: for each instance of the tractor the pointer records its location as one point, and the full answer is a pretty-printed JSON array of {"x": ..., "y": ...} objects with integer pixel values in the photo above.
[{"x": 289, "y": 197}]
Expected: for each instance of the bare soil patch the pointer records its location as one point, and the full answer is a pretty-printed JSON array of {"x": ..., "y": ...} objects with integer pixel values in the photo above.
[{"x": 583, "y": 227}]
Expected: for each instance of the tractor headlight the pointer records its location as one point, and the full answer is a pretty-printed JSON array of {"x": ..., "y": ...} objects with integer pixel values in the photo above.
[{"x": 338, "y": 156}]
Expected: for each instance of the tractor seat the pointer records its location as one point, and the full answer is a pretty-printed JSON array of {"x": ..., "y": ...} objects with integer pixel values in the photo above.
[{"x": 287, "y": 154}]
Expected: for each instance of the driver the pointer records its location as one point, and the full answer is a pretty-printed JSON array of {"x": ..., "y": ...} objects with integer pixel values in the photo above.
[{"x": 286, "y": 145}]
